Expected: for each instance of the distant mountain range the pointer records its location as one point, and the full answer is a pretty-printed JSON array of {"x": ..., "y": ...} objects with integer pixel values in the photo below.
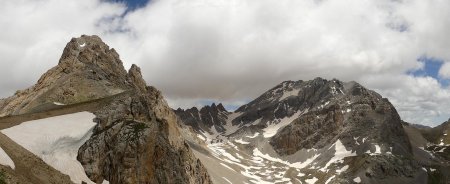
[{"x": 318, "y": 131}]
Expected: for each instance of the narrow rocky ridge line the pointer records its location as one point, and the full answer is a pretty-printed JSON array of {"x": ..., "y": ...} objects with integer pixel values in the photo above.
[{"x": 10, "y": 121}]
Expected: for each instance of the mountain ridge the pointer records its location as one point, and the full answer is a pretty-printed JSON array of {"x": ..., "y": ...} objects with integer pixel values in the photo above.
[{"x": 308, "y": 122}]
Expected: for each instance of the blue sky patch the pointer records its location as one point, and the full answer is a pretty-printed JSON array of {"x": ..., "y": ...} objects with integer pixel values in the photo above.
[
  {"x": 431, "y": 68},
  {"x": 132, "y": 4}
]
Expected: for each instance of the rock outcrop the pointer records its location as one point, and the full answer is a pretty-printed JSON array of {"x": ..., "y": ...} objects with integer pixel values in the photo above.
[{"x": 137, "y": 141}]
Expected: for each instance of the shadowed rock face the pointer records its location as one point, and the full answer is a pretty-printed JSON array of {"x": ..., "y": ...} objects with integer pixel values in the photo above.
[
  {"x": 208, "y": 116},
  {"x": 137, "y": 137}
]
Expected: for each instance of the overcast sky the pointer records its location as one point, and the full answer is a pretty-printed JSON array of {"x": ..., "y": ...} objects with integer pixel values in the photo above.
[{"x": 231, "y": 51}]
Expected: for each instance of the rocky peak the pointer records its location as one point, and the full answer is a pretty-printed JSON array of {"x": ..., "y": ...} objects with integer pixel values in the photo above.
[
  {"x": 290, "y": 97},
  {"x": 135, "y": 78},
  {"x": 341, "y": 110},
  {"x": 220, "y": 107},
  {"x": 91, "y": 53},
  {"x": 214, "y": 108},
  {"x": 88, "y": 69},
  {"x": 209, "y": 116},
  {"x": 137, "y": 137}
]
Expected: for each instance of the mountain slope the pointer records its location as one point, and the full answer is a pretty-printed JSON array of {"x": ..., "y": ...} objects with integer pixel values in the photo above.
[{"x": 323, "y": 131}]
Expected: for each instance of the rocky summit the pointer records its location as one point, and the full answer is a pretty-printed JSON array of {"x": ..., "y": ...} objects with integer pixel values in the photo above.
[
  {"x": 317, "y": 131},
  {"x": 136, "y": 138}
]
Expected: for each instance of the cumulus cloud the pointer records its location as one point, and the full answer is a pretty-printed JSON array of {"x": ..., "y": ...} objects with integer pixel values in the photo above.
[
  {"x": 231, "y": 51},
  {"x": 445, "y": 70}
]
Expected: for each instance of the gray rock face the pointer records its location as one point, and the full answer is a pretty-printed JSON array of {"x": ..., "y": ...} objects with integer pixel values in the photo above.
[
  {"x": 208, "y": 117},
  {"x": 137, "y": 141},
  {"x": 351, "y": 112}
]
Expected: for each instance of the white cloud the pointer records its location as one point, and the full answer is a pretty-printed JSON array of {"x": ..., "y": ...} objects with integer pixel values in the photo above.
[
  {"x": 35, "y": 32},
  {"x": 444, "y": 71},
  {"x": 234, "y": 50},
  {"x": 417, "y": 99}
]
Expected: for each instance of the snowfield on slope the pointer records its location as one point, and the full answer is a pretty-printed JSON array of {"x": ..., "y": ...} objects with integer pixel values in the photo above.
[
  {"x": 277, "y": 124},
  {"x": 56, "y": 141}
]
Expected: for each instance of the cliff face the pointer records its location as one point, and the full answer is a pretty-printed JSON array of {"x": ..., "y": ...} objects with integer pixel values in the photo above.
[
  {"x": 137, "y": 137},
  {"x": 137, "y": 141}
]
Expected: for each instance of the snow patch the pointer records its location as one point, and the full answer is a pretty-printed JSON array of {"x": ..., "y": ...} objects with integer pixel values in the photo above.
[
  {"x": 228, "y": 167},
  {"x": 311, "y": 181},
  {"x": 364, "y": 139},
  {"x": 240, "y": 141},
  {"x": 377, "y": 150},
  {"x": 343, "y": 169},
  {"x": 323, "y": 105},
  {"x": 5, "y": 159},
  {"x": 340, "y": 153},
  {"x": 357, "y": 179},
  {"x": 301, "y": 165},
  {"x": 201, "y": 137},
  {"x": 82, "y": 45},
  {"x": 219, "y": 151},
  {"x": 298, "y": 165},
  {"x": 329, "y": 179},
  {"x": 58, "y": 103},
  {"x": 286, "y": 94},
  {"x": 258, "y": 153},
  {"x": 253, "y": 136},
  {"x": 273, "y": 128},
  {"x": 442, "y": 142},
  {"x": 56, "y": 141},
  {"x": 227, "y": 180}
]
